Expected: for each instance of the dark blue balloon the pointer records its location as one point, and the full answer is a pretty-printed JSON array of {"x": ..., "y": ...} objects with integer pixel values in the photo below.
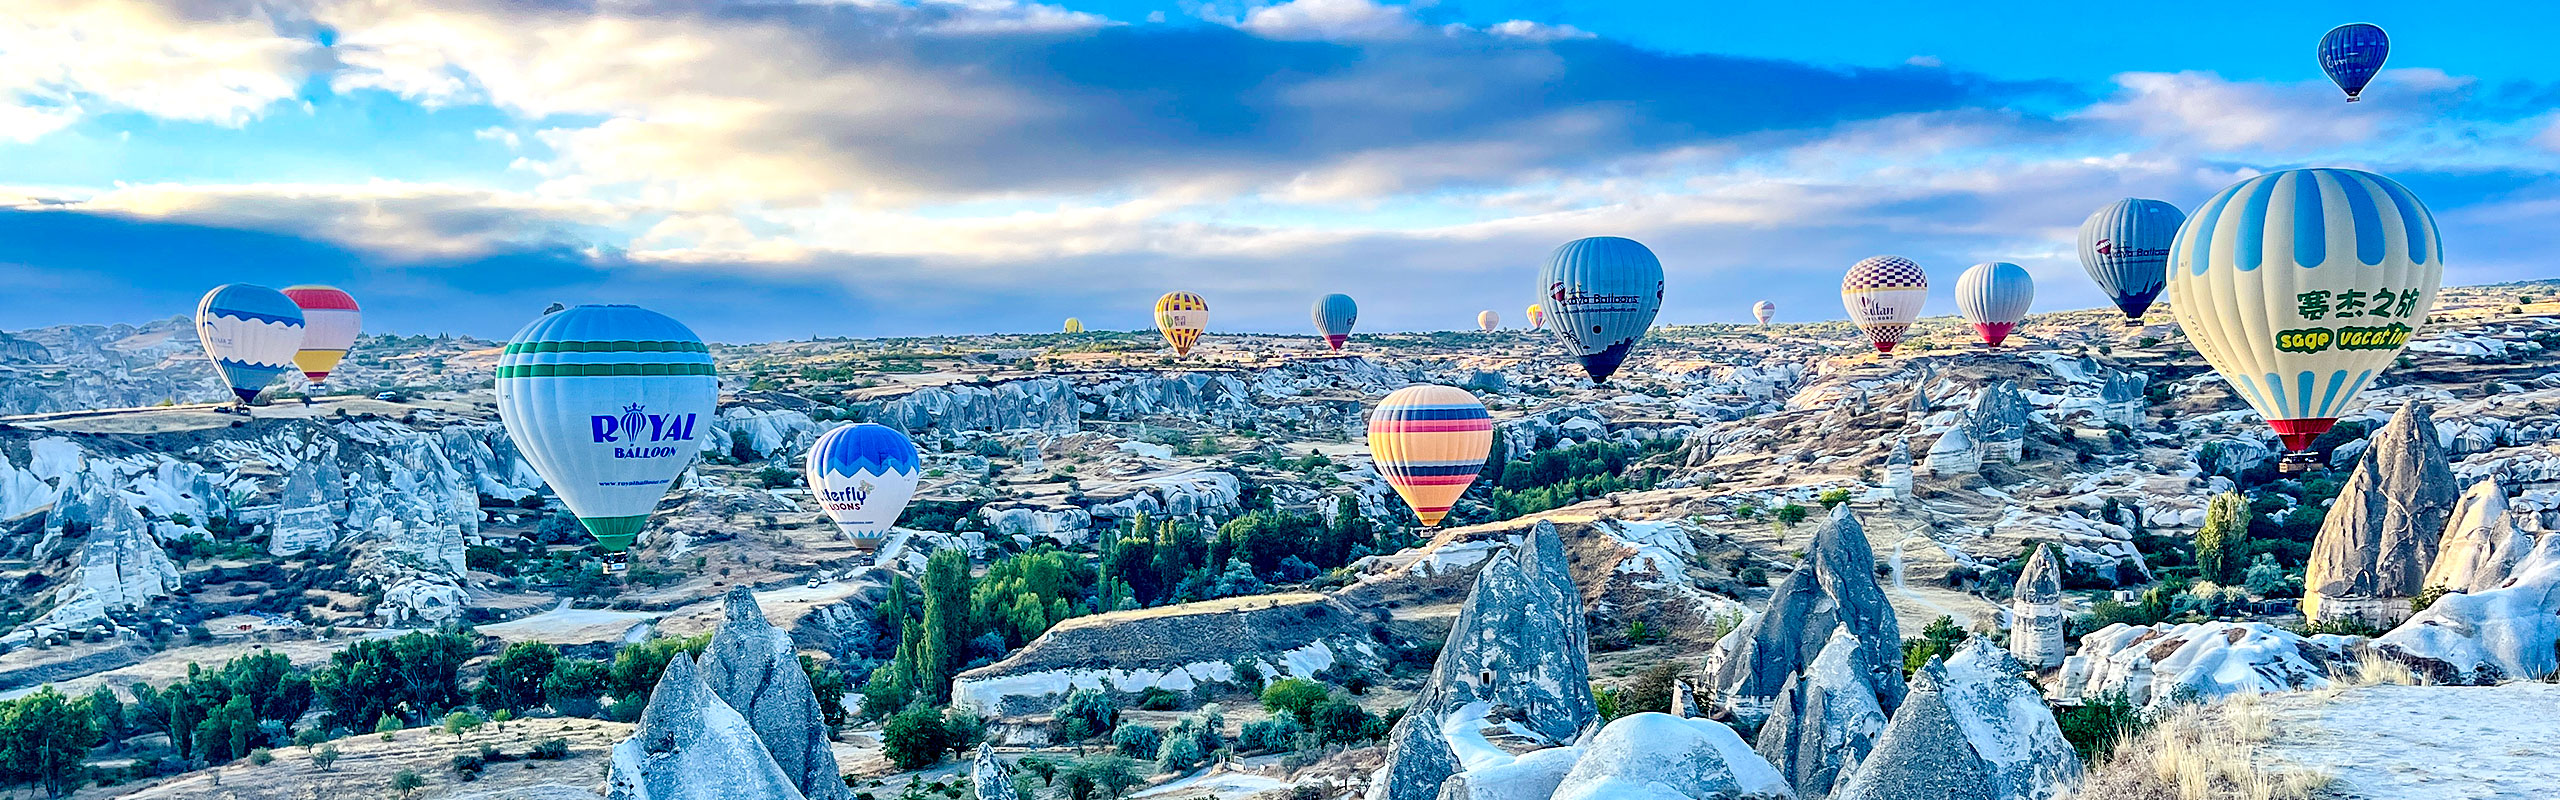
[{"x": 2351, "y": 54}]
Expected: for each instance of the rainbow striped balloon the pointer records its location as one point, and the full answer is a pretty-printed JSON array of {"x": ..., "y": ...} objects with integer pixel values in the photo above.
[{"x": 1429, "y": 442}]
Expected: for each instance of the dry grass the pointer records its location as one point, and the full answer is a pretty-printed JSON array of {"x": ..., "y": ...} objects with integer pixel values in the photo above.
[{"x": 2201, "y": 753}]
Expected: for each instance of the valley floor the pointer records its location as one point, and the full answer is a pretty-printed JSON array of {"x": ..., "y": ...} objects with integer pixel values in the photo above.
[{"x": 2424, "y": 742}]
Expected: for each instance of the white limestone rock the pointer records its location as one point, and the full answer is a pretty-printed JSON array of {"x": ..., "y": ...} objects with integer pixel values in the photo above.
[
  {"x": 1973, "y": 729},
  {"x": 2504, "y": 633},
  {"x": 2155, "y": 666},
  {"x": 2481, "y": 544},
  {"x": 1652, "y": 756},
  {"x": 2379, "y": 539},
  {"x": 691, "y": 746},
  {"x": 1824, "y": 722},
  {"x": 752, "y": 667}
]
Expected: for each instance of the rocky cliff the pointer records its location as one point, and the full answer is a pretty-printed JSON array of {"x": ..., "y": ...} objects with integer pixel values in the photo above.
[
  {"x": 690, "y": 745},
  {"x": 2380, "y": 536},
  {"x": 1824, "y": 721},
  {"x": 2481, "y": 545},
  {"x": 2507, "y": 632},
  {"x": 1183, "y": 649},
  {"x": 1973, "y": 729},
  {"x": 1835, "y": 588},
  {"x": 752, "y": 666}
]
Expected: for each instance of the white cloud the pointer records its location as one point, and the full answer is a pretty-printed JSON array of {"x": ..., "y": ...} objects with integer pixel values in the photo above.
[
  {"x": 391, "y": 218},
  {"x": 202, "y": 63},
  {"x": 1330, "y": 19},
  {"x": 2203, "y": 109}
]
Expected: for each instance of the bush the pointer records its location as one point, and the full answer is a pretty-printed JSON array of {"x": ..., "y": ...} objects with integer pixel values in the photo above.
[
  {"x": 550, "y": 750},
  {"x": 408, "y": 781},
  {"x": 1087, "y": 713},
  {"x": 1137, "y": 741},
  {"x": 261, "y": 757},
  {"x": 469, "y": 765},
  {"x": 1938, "y": 640},
  {"x": 2095, "y": 726},
  {"x": 1157, "y": 698},
  {"x": 1293, "y": 696},
  {"x": 1276, "y": 733},
  {"x": 915, "y": 738}
]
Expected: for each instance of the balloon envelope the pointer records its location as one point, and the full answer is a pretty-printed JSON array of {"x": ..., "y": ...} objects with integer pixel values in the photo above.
[
  {"x": 1488, "y": 320},
  {"x": 607, "y": 402},
  {"x": 1994, "y": 296},
  {"x": 2125, "y": 248},
  {"x": 1601, "y": 295},
  {"x": 1182, "y": 316},
  {"x": 251, "y": 333},
  {"x": 1334, "y": 316},
  {"x": 1764, "y": 311},
  {"x": 2352, "y": 54},
  {"x": 1537, "y": 316},
  {"x": 1883, "y": 295},
  {"x": 2299, "y": 286},
  {"x": 863, "y": 475},
  {"x": 1074, "y": 325},
  {"x": 330, "y": 322},
  {"x": 1429, "y": 442}
]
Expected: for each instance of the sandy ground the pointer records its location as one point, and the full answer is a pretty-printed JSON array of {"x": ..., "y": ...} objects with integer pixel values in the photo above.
[
  {"x": 2425, "y": 742},
  {"x": 366, "y": 765},
  {"x": 563, "y": 625}
]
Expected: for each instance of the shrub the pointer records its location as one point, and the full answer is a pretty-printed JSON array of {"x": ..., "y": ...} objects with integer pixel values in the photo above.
[
  {"x": 469, "y": 765},
  {"x": 1137, "y": 741},
  {"x": 1157, "y": 698},
  {"x": 915, "y": 738},
  {"x": 325, "y": 757},
  {"x": 1938, "y": 640},
  {"x": 2095, "y": 725},
  {"x": 1293, "y": 696},
  {"x": 261, "y": 757},
  {"x": 1754, "y": 576},
  {"x": 551, "y": 750},
  {"x": 408, "y": 781},
  {"x": 1087, "y": 713},
  {"x": 1276, "y": 733}
]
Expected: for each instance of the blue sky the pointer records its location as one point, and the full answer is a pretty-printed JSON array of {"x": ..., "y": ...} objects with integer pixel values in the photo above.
[{"x": 890, "y": 167}]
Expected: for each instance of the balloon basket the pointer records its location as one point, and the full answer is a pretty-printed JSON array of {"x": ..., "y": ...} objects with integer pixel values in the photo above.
[
  {"x": 2296, "y": 463},
  {"x": 2133, "y": 323},
  {"x": 617, "y": 563}
]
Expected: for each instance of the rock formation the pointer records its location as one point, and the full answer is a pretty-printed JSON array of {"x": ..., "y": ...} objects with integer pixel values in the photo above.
[
  {"x": 2121, "y": 399},
  {"x": 691, "y": 746},
  {"x": 2481, "y": 545},
  {"x": 2380, "y": 537},
  {"x": 2509, "y": 632},
  {"x": 1662, "y": 757},
  {"x": 1954, "y": 455},
  {"x": 752, "y": 666},
  {"x": 1515, "y": 660},
  {"x": 989, "y": 778},
  {"x": 119, "y": 568},
  {"x": 1897, "y": 469},
  {"x": 2153, "y": 666},
  {"x": 1836, "y": 588},
  {"x": 1972, "y": 730},
  {"x": 2035, "y": 612},
  {"x": 306, "y": 518},
  {"x": 1183, "y": 651},
  {"x": 1684, "y": 700},
  {"x": 1998, "y": 421},
  {"x": 1824, "y": 721}
]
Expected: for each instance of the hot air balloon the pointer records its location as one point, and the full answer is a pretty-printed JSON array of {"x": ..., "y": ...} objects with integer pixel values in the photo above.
[
  {"x": 330, "y": 322},
  {"x": 1074, "y": 325},
  {"x": 251, "y": 333},
  {"x": 1429, "y": 442},
  {"x": 1994, "y": 296},
  {"x": 1883, "y": 295},
  {"x": 2351, "y": 54},
  {"x": 1764, "y": 311},
  {"x": 1537, "y": 316},
  {"x": 2299, "y": 286},
  {"x": 607, "y": 402},
  {"x": 1182, "y": 316},
  {"x": 2125, "y": 248},
  {"x": 1602, "y": 293},
  {"x": 1486, "y": 320},
  {"x": 863, "y": 475},
  {"x": 1334, "y": 315}
]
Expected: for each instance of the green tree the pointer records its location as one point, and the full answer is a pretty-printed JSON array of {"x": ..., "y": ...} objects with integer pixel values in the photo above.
[
  {"x": 946, "y": 623},
  {"x": 1832, "y": 498},
  {"x": 914, "y": 738},
  {"x": 636, "y": 668},
  {"x": 419, "y": 672},
  {"x": 575, "y": 684},
  {"x": 516, "y": 676},
  {"x": 43, "y": 739},
  {"x": 407, "y": 782},
  {"x": 102, "y": 705},
  {"x": 1790, "y": 514},
  {"x": 1293, "y": 696},
  {"x": 461, "y": 722},
  {"x": 1111, "y": 775},
  {"x": 2218, "y": 544},
  {"x": 1939, "y": 639},
  {"x": 829, "y": 686}
]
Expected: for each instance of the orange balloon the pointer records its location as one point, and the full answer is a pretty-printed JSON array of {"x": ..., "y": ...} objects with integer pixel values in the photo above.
[{"x": 1429, "y": 442}]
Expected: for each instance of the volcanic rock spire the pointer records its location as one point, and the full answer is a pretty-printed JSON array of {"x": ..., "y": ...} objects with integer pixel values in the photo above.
[{"x": 2380, "y": 537}]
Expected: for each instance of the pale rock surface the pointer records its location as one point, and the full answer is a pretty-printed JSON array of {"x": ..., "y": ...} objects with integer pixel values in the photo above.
[
  {"x": 2509, "y": 632},
  {"x": 989, "y": 778},
  {"x": 2481, "y": 544},
  {"x": 2035, "y": 612},
  {"x": 1954, "y": 455},
  {"x": 1973, "y": 729},
  {"x": 1651, "y": 756},
  {"x": 753, "y": 668},
  {"x": 2156, "y": 666},
  {"x": 1824, "y": 721},
  {"x": 1835, "y": 588},
  {"x": 691, "y": 746},
  {"x": 2380, "y": 536},
  {"x": 120, "y": 567}
]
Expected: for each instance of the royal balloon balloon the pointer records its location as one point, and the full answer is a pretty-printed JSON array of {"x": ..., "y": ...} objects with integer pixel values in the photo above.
[
  {"x": 863, "y": 475},
  {"x": 250, "y": 333},
  {"x": 1182, "y": 316},
  {"x": 1537, "y": 317},
  {"x": 609, "y": 403},
  {"x": 1994, "y": 296},
  {"x": 1764, "y": 311},
  {"x": 2125, "y": 248},
  {"x": 1884, "y": 295},
  {"x": 1334, "y": 316},
  {"x": 1429, "y": 442},
  {"x": 1487, "y": 320},
  {"x": 2352, "y": 54},
  {"x": 2300, "y": 286},
  {"x": 1601, "y": 295},
  {"x": 330, "y": 322}
]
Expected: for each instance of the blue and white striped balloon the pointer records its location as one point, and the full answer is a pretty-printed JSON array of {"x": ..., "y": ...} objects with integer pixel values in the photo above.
[
  {"x": 2125, "y": 248},
  {"x": 1334, "y": 315},
  {"x": 609, "y": 403},
  {"x": 250, "y": 333},
  {"x": 1601, "y": 295},
  {"x": 864, "y": 474},
  {"x": 2299, "y": 286},
  {"x": 1994, "y": 296}
]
